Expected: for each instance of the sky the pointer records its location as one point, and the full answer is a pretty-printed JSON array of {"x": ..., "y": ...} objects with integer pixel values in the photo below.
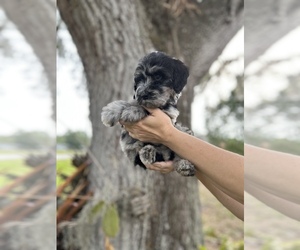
[
  {"x": 25, "y": 102},
  {"x": 267, "y": 86},
  {"x": 258, "y": 89},
  {"x": 218, "y": 88}
]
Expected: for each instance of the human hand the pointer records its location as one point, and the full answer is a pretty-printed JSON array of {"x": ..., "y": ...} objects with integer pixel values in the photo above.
[
  {"x": 155, "y": 128},
  {"x": 164, "y": 167}
]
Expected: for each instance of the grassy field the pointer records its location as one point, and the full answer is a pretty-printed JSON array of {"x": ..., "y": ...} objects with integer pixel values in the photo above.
[
  {"x": 222, "y": 230},
  {"x": 11, "y": 168},
  {"x": 63, "y": 167}
]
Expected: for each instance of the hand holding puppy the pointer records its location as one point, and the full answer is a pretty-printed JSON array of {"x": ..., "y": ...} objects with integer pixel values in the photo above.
[{"x": 155, "y": 128}]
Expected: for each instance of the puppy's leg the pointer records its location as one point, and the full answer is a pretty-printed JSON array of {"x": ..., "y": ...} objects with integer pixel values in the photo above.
[
  {"x": 112, "y": 112},
  {"x": 148, "y": 154},
  {"x": 184, "y": 167},
  {"x": 133, "y": 113},
  {"x": 131, "y": 148}
]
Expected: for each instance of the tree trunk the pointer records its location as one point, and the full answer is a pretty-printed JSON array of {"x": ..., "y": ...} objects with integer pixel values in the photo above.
[
  {"x": 195, "y": 32},
  {"x": 110, "y": 37},
  {"x": 36, "y": 21},
  {"x": 266, "y": 22}
]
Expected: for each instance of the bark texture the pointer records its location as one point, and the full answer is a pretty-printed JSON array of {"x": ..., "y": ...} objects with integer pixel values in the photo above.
[
  {"x": 36, "y": 21},
  {"x": 266, "y": 22},
  {"x": 110, "y": 37}
]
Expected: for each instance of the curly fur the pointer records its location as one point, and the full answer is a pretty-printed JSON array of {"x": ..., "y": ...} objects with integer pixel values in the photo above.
[{"x": 158, "y": 82}]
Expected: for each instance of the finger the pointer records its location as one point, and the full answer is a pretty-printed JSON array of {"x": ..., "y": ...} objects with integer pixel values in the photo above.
[
  {"x": 165, "y": 166},
  {"x": 152, "y": 167},
  {"x": 131, "y": 134}
]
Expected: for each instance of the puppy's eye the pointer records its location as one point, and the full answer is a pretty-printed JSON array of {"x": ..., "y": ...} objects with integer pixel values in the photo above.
[{"x": 157, "y": 77}]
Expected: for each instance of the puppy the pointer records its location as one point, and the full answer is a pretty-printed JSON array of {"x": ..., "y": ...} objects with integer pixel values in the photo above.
[{"x": 158, "y": 82}]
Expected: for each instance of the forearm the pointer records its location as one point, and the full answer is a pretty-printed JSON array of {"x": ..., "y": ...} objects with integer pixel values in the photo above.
[
  {"x": 282, "y": 205},
  {"x": 231, "y": 204},
  {"x": 274, "y": 172},
  {"x": 224, "y": 168}
]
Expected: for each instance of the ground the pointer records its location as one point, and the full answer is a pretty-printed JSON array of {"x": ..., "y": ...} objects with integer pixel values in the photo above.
[
  {"x": 268, "y": 229},
  {"x": 222, "y": 230}
]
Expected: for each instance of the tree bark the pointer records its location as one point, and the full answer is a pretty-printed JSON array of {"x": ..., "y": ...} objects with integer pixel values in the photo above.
[
  {"x": 197, "y": 35},
  {"x": 110, "y": 37},
  {"x": 266, "y": 22},
  {"x": 36, "y": 21}
]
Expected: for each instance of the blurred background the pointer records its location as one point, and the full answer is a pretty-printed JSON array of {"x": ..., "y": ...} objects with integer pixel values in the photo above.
[
  {"x": 56, "y": 74},
  {"x": 46, "y": 125},
  {"x": 272, "y": 75},
  {"x": 27, "y": 125}
]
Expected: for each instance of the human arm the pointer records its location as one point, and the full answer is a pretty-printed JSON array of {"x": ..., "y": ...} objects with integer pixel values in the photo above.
[
  {"x": 224, "y": 168},
  {"x": 232, "y": 205},
  {"x": 273, "y": 178}
]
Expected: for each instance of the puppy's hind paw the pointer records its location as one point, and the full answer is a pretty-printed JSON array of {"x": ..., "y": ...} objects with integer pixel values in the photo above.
[
  {"x": 184, "y": 167},
  {"x": 111, "y": 113},
  {"x": 148, "y": 154}
]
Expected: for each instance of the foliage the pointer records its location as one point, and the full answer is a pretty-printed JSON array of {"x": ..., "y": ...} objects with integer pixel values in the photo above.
[
  {"x": 274, "y": 116},
  {"x": 233, "y": 145},
  {"x": 225, "y": 124},
  {"x": 282, "y": 145},
  {"x": 225, "y": 120},
  {"x": 32, "y": 140},
  {"x": 74, "y": 140},
  {"x": 110, "y": 222},
  {"x": 226, "y": 244},
  {"x": 63, "y": 168},
  {"x": 12, "y": 167},
  {"x": 110, "y": 217}
]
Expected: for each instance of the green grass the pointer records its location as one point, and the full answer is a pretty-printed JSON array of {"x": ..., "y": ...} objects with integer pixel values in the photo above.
[
  {"x": 18, "y": 168},
  {"x": 21, "y": 152},
  {"x": 64, "y": 167},
  {"x": 70, "y": 152},
  {"x": 14, "y": 167}
]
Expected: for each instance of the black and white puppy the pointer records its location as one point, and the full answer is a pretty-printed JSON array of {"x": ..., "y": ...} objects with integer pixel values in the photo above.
[{"x": 158, "y": 82}]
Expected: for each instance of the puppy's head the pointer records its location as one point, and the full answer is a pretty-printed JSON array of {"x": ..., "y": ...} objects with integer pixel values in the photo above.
[{"x": 159, "y": 79}]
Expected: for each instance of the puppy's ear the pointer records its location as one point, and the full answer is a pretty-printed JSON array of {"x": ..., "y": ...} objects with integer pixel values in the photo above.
[{"x": 181, "y": 74}]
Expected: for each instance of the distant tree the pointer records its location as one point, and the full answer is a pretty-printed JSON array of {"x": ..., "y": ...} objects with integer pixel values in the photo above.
[
  {"x": 32, "y": 140},
  {"x": 225, "y": 120},
  {"x": 76, "y": 139}
]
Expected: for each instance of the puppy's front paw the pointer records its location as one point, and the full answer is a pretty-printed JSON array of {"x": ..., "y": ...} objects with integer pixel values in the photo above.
[
  {"x": 148, "y": 154},
  {"x": 184, "y": 167},
  {"x": 133, "y": 114},
  {"x": 111, "y": 113}
]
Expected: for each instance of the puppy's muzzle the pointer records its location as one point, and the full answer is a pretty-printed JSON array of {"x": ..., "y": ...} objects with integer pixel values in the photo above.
[{"x": 143, "y": 94}]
